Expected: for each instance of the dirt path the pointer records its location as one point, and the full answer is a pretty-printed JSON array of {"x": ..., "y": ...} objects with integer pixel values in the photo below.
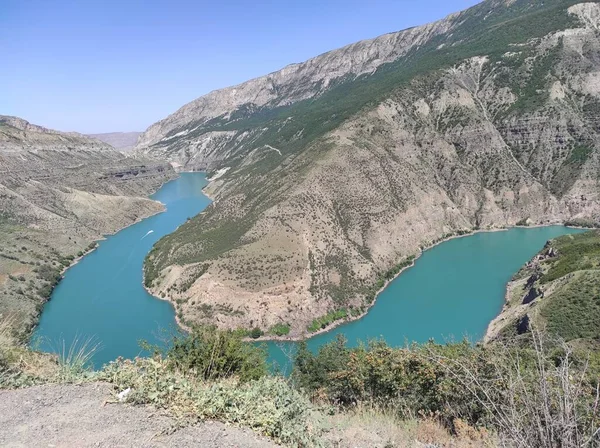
[{"x": 74, "y": 416}]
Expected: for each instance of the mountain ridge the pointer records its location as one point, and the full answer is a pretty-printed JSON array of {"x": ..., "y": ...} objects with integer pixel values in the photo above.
[
  {"x": 316, "y": 202},
  {"x": 193, "y": 106}
]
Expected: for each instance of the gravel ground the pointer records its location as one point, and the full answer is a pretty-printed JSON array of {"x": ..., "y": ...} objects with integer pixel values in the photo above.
[{"x": 77, "y": 416}]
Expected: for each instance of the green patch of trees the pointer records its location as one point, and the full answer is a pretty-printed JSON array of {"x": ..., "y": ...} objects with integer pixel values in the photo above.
[
  {"x": 281, "y": 329},
  {"x": 324, "y": 321}
]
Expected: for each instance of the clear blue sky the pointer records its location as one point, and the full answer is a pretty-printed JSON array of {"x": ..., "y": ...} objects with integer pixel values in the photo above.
[{"x": 107, "y": 65}]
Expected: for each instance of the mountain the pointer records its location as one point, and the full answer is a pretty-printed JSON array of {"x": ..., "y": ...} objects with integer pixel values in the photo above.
[
  {"x": 330, "y": 175},
  {"x": 59, "y": 192},
  {"x": 124, "y": 141}
]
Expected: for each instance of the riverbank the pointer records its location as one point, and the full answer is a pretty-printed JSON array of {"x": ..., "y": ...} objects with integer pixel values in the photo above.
[
  {"x": 519, "y": 288},
  {"x": 178, "y": 321},
  {"x": 76, "y": 260},
  {"x": 302, "y": 335},
  {"x": 349, "y": 319},
  {"x": 103, "y": 298}
]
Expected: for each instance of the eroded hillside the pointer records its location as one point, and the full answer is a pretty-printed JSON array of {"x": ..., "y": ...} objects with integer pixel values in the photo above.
[
  {"x": 59, "y": 192},
  {"x": 329, "y": 183}
]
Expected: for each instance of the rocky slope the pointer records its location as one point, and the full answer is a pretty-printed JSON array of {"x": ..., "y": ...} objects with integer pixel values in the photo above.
[
  {"x": 556, "y": 292},
  {"x": 59, "y": 192},
  {"x": 329, "y": 174},
  {"x": 123, "y": 141}
]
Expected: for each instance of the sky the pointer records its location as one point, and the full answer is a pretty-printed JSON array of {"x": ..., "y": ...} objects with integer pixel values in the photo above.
[{"x": 120, "y": 65}]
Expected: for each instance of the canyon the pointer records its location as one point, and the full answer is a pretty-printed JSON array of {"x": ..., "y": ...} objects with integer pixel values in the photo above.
[
  {"x": 330, "y": 175},
  {"x": 59, "y": 193}
]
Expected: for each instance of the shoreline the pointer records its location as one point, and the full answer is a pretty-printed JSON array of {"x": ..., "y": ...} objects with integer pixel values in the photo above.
[
  {"x": 30, "y": 333},
  {"x": 178, "y": 321},
  {"x": 351, "y": 319},
  {"x": 488, "y": 336}
]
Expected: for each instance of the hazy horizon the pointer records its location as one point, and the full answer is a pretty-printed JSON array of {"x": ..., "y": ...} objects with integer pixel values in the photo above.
[{"x": 99, "y": 67}]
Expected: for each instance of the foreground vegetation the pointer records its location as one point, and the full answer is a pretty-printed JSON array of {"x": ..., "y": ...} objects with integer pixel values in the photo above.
[
  {"x": 539, "y": 388},
  {"x": 541, "y": 395}
]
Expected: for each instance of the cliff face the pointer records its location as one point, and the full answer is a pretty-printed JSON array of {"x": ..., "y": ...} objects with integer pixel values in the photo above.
[
  {"x": 58, "y": 193},
  {"x": 484, "y": 119}
]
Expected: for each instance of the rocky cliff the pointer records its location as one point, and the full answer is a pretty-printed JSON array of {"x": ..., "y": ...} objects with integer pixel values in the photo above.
[
  {"x": 59, "y": 192},
  {"x": 329, "y": 174}
]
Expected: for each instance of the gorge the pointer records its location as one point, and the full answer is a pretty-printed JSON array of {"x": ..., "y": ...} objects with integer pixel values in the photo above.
[
  {"x": 480, "y": 121},
  {"x": 328, "y": 175},
  {"x": 454, "y": 290}
]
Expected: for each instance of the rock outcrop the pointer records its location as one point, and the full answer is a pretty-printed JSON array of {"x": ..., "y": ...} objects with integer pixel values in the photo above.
[{"x": 557, "y": 292}]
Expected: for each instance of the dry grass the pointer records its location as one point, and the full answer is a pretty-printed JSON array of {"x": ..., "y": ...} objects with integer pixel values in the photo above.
[
  {"x": 7, "y": 323},
  {"x": 21, "y": 360},
  {"x": 552, "y": 403},
  {"x": 366, "y": 426}
]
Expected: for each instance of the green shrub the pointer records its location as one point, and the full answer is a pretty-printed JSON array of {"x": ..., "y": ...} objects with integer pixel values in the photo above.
[
  {"x": 324, "y": 321},
  {"x": 280, "y": 329},
  {"x": 256, "y": 333},
  {"x": 268, "y": 405},
  {"x": 513, "y": 390},
  {"x": 214, "y": 354}
]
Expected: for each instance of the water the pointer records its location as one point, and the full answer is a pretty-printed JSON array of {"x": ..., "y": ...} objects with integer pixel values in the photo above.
[
  {"x": 453, "y": 291},
  {"x": 102, "y": 296}
]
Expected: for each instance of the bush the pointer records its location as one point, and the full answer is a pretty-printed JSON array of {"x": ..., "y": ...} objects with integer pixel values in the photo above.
[
  {"x": 268, "y": 405},
  {"x": 537, "y": 396},
  {"x": 324, "y": 321},
  {"x": 214, "y": 354},
  {"x": 280, "y": 329},
  {"x": 256, "y": 333}
]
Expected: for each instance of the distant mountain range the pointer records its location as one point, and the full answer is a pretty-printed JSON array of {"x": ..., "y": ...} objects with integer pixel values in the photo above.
[{"x": 123, "y": 141}]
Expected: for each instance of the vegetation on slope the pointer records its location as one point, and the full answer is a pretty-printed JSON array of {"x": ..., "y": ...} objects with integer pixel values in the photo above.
[
  {"x": 440, "y": 149},
  {"x": 539, "y": 395},
  {"x": 563, "y": 283},
  {"x": 503, "y": 28}
]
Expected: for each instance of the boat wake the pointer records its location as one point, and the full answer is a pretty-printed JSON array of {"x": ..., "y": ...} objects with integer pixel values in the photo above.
[{"x": 149, "y": 232}]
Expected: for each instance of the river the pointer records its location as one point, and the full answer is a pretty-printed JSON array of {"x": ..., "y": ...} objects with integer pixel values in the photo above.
[
  {"x": 454, "y": 290},
  {"x": 102, "y": 297}
]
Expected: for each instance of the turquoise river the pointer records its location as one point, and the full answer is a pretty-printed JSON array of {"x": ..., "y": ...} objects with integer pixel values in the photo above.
[{"x": 454, "y": 290}]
